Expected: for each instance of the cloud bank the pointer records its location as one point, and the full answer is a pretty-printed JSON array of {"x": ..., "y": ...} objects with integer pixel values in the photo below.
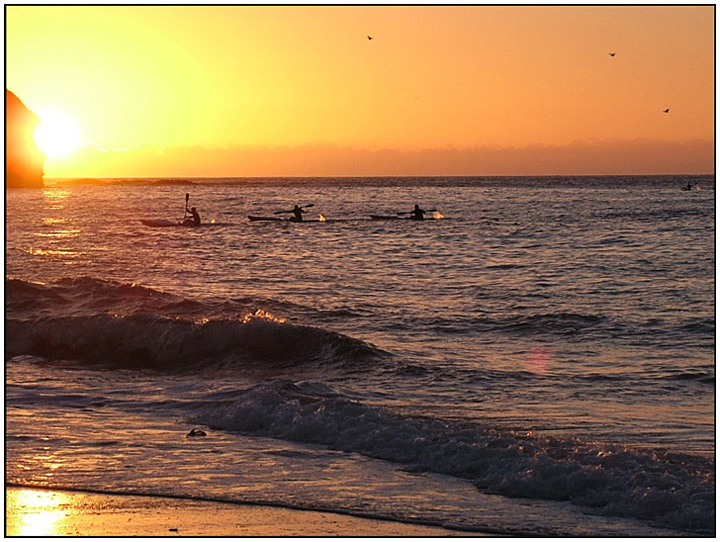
[{"x": 587, "y": 157}]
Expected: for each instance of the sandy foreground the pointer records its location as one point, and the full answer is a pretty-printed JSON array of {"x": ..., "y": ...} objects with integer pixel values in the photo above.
[{"x": 38, "y": 512}]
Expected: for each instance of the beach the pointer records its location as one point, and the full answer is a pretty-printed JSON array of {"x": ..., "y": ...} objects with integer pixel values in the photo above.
[{"x": 40, "y": 512}]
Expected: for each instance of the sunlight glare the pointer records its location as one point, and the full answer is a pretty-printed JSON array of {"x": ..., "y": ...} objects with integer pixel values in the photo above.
[
  {"x": 57, "y": 134},
  {"x": 40, "y": 513}
]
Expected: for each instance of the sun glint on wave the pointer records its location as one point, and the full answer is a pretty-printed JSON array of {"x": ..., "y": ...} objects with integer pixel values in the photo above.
[{"x": 57, "y": 134}]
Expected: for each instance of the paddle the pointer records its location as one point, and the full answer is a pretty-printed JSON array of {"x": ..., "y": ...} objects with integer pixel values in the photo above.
[
  {"x": 187, "y": 198},
  {"x": 290, "y": 211},
  {"x": 410, "y": 212}
]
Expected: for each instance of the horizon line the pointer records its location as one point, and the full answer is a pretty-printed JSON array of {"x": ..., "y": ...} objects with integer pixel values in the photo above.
[{"x": 180, "y": 178}]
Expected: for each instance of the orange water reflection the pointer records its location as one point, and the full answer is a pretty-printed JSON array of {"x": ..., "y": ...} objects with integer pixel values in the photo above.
[
  {"x": 60, "y": 234},
  {"x": 58, "y": 228},
  {"x": 56, "y": 197},
  {"x": 539, "y": 361},
  {"x": 60, "y": 252}
]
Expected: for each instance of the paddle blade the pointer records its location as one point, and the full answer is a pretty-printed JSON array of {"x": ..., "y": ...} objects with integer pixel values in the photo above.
[{"x": 308, "y": 205}]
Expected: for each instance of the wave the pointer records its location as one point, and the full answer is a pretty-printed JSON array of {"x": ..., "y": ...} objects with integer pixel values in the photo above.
[
  {"x": 568, "y": 324},
  {"x": 164, "y": 343},
  {"x": 126, "y": 325},
  {"x": 672, "y": 490},
  {"x": 700, "y": 327},
  {"x": 85, "y": 295},
  {"x": 555, "y": 323},
  {"x": 704, "y": 377},
  {"x": 505, "y": 266},
  {"x": 655, "y": 215},
  {"x": 89, "y": 296}
]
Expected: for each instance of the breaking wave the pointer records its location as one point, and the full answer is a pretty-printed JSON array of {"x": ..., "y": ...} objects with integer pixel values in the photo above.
[
  {"x": 123, "y": 325},
  {"x": 672, "y": 490}
]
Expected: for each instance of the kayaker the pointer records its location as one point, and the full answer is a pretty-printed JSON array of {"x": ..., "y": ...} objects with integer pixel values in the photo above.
[
  {"x": 417, "y": 213},
  {"x": 297, "y": 214},
  {"x": 193, "y": 220}
]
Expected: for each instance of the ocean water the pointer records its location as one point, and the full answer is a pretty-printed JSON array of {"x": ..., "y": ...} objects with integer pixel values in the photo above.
[{"x": 536, "y": 358}]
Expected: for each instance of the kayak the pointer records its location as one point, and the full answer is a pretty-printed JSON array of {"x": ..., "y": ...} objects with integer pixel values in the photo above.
[
  {"x": 392, "y": 217},
  {"x": 389, "y": 217},
  {"x": 164, "y": 223},
  {"x": 276, "y": 219},
  {"x": 269, "y": 218}
]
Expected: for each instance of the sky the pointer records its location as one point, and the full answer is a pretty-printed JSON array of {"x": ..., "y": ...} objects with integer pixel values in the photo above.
[{"x": 234, "y": 91}]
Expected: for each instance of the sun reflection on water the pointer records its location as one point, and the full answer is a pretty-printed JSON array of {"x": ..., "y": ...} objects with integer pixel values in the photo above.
[
  {"x": 60, "y": 252},
  {"x": 56, "y": 197},
  {"x": 59, "y": 234},
  {"x": 39, "y": 513},
  {"x": 539, "y": 361},
  {"x": 58, "y": 229},
  {"x": 261, "y": 315}
]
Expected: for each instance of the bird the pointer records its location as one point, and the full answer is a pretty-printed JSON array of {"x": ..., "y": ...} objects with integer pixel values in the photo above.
[
  {"x": 369, "y": 37},
  {"x": 666, "y": 111},
  {"x": 611, "y": 54}
]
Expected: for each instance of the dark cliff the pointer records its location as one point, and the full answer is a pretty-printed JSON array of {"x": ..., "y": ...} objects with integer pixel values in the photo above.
[{"x": 24, "y": 161}]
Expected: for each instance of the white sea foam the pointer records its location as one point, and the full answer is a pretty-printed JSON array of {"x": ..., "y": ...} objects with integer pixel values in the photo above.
[{"x": 670, "y": 489}]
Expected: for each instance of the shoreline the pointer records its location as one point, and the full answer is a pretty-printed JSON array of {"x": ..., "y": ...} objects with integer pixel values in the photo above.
[{"x": 33, "y": 511}]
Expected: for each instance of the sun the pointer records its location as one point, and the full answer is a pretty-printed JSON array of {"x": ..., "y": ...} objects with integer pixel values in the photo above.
[{"x": 57, "y": 134}]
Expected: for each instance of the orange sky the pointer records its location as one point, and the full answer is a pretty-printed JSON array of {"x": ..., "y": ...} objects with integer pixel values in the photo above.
[{"x": 468, "y": 90}]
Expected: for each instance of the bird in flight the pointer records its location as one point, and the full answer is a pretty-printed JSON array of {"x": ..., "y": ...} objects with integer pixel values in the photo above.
[
  {"x": 370, "y": 37},
  {"x": 666, "y": 111},
  {"x": 611, "y": 54}
]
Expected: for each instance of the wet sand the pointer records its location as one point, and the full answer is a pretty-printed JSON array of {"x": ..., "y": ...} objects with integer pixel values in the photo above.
[{"x": 38, "y": 512}]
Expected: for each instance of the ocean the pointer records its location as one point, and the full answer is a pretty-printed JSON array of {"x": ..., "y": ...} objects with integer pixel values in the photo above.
[{"x": 534, "y": 358}]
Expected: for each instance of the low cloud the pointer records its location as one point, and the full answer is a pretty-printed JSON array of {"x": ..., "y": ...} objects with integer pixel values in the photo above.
[{"x": 587, "y": 157}]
